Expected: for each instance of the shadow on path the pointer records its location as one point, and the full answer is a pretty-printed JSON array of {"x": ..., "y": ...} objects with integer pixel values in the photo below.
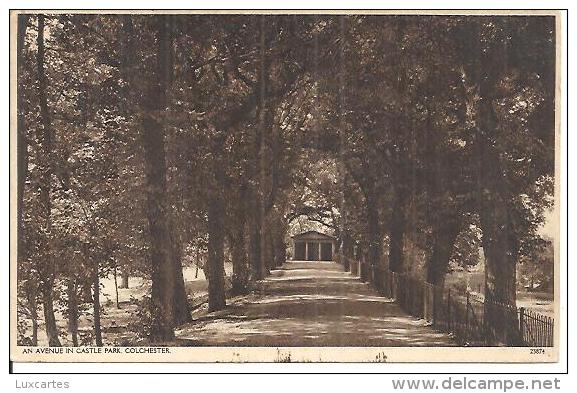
[{"x": 310, "y": 304}]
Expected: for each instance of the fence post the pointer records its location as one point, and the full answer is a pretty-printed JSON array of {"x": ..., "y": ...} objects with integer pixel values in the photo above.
[{"x": 521, "y": 327}]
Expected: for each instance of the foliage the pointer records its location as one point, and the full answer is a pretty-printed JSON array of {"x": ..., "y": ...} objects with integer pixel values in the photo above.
[{"x": 377, "y": 129}]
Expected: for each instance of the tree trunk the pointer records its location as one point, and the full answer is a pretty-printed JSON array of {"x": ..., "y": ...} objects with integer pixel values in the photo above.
[
  {"x": 265, "y": 130},
  {"x": 240, "y": 272},
  {"x": 116, "y": 285},
  {"x": 346, "y": 243},
  {"x": 499, "y": 239},
  {"x": 48, "y": 268},
  {"x": 181, "y": 306},
  {"x": 347, "y": 250},
  {"x": 32, "y": 293},
  {"x": 206, "y": 270},
  {"x": 360, "y": 256},
  {"x": 255, "y": 242},
  {"x": 500, "y": 242},
  {"x": 21, "y": 137},
  {"x": 501, "y": 253},
  {"x": 268, "y": 245},
  {"x": 95, "y": 294},
  {"x": 124, "y": 277},
  {"x": 154, "y": 103},
  {"x": 160, "y": 242},
  {"x": 501, "y": 250},
  {"x": 73, "y": 310},
  {"x": 279, "y": 242},
  {"x": 444, "y": 236},
  {"x": 240, "y": 268},
  {"x": 153, "y": 141},
  {"x": 34, "y": 317},
  {"x": 375, "y": 250},
  {"x": 96, "y": 307},
  {"x": 196, "y": 261},
  {"x": 396, "y": 235},
  {"x": 216, "y": 290},
  {"x": 49, "y": 318}
]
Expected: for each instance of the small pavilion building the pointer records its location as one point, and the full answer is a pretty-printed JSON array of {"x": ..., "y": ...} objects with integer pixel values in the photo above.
[{"x": 313, "y": 246}]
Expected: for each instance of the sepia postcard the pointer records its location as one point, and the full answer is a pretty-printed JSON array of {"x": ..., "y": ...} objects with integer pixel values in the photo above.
[{"x": 285, "y": 186}]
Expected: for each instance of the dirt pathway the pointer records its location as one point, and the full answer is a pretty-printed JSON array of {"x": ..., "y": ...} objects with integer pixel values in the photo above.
[{"x": 311, "y": 304}]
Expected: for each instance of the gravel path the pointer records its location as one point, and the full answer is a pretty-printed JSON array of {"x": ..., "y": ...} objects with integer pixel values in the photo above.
[{"x": 310, "y": 304}]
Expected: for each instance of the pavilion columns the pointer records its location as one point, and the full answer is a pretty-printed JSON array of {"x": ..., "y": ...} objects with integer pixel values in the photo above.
[{"x": 319, "y": 242}]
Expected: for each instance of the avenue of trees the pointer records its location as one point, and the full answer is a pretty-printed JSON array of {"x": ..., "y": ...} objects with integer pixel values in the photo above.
[{"x": 142, "y": 138}]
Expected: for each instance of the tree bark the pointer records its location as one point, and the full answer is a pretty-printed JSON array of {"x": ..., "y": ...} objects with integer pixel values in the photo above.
[
  {"x": 73, "y": 310},
  {"x": 21, "y": 136},
  {"x": 375, "y": 237},
  {"x": 268, "y": 239},
  {"x": 361, "y": 257},
  {"x": 124, "y": 279},
  {"x": 255, "y": 242},
  {"x": 95, "y": 293},
  {"x": 240, "y": 272},
  {"x": 49, "y": 318},
  {"x": 216, "y": 290},
  {"x": 196, "y": 261},
  {"x": 22, "y": 165},
  {"x": 255, "y": 251},
  {"x": 265, "y": 156},
  {"x": 96, "y": 307},
  {"x": 240, "y": 267},
  {"x": 48, "y": 268},
  {"x": 116, "y": 285},
  {"x": 501, "y": 249},
  {"x": 160, "y": 244},
  {"x": 444, "y": 236},
  {"x": 181, "y": 306},
  {"x": 347, "y": 249},
  {"x": 32, "y": 294},
  {"x": 169, "y": 299},
  {"x": 397, "y": 234},
  {"x": 500, "y": 246},
  {"x": 499, "y": 239},
  {"x": 279, "y": 242},
  {"x": 153, "y": 141},
  {"x": 346, "y": 242}
]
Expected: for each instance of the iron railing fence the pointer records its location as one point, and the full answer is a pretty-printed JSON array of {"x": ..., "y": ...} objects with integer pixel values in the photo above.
[{"x": 460, "y": 313}]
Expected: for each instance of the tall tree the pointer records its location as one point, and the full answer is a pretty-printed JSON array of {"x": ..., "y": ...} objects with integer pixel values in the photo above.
[
  {"x": 31, "y": 282},
  {"x": 153, "y": 142},
  {"x": 216, "y": 293},
  {"x": 513, "y": 69},
  {"x": 48, "y": 267},
  {"x": 264, "y": 128}
]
